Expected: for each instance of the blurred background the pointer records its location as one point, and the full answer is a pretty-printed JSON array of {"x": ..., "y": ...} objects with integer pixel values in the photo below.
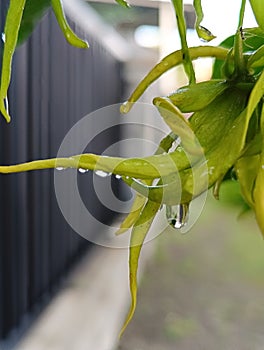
[{"x": 202, "y": 290}]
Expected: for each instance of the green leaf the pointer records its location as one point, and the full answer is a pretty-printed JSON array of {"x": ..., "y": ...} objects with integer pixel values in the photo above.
[
  {"x": 187, "y": 62},
  {"x": 194, "y": 97},
  {"x": 123, "y": 3},
  {"x": 246, "y": 170},
  {"x": 228, "y": 43},
  {"x": 70, "y": 36},
  {"x": 178, "y": 124},
  {"x": 172, "y": 60},
  {"x": 34, "y": 10},
  {"x": 256, "y": 95},
  {"x": 13, "y": 20},
  {"x": 254, "y": 146},
  {"x": 140, "y": 201},
  {"x": 212, "y": 123},
  {"x": 253, "y": 40},
  {"x": 148, "y": 168},
  {"x": 239, "y": 58},
  {"x": 221, "y": 129},
  {"x": 131, "y": 218},
  {"x": 257, "y": 58},
  {"x": 202, "y": 32},
  {"x": 138, "y": 236},
  {"x": 230, "y": 194},
  {"x": 205, "y": 34},
  {"x": 258, "y": 9},
  {"x": 167, "y": 191},
  {"x": 259, "y": 184}
]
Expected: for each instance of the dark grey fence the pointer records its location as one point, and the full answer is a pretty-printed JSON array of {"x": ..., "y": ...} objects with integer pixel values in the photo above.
[{"x": 53, "y": 86}]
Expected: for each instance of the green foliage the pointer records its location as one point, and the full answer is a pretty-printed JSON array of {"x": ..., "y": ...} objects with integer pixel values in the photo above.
[
  {"x": 21, "y": 17},
  {"x": 224, "y": 135},
  {"x": 33, "y": 12},
  {"x": 252, "y": 43},
  {"x": 202, "y": 32},
  {"x": 123, "y": 3},
  {"x": 258, "y": 9},
  {"x": 70, "y": 36},
  {"x": 12, "y": 25}
]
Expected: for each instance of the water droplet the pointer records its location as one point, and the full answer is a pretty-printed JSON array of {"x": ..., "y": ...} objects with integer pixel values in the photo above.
[
  {"x": 60, "y": 168},
  {"x": 126, "y": 107},
  {"x": 3, "y": 37},
  {"x": 262, "y": 166},
  {"x": 82, "y": 171},
  {"x": 102, "y": 173},
  {"x": 118, "y": 177},
  {"x": 6, "y": 104},
  {"x": 177, "y": 215}
]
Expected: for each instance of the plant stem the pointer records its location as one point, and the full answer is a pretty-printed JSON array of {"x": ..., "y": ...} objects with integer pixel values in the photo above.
[
  {"x": 187, "y": 62},
  {"x": 172, "y": 60},
  {"x": 240, "y": 63}
]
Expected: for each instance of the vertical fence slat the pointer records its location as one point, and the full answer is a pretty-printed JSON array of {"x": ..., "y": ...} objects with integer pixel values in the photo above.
[{"x": 19, "y": 183}]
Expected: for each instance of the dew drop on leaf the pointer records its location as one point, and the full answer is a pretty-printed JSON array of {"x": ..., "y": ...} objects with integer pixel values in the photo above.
[
  {"x": 60, "y": 168},
  {"x": 102, "y": 173},
  {"x": 177, "y": 215},
  {"x": 83, "y": 171},
  {"x": 126, "y": 107}
]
